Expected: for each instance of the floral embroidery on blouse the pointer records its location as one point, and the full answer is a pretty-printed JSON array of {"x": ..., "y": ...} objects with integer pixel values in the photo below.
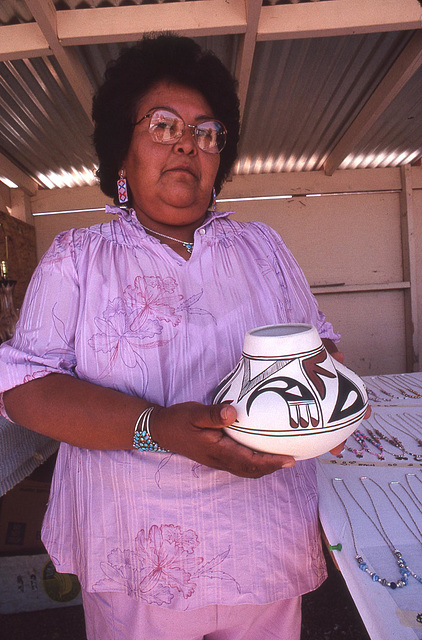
[
  {"x": 162, "y": 566},
  {"x": 134, "y": 321}
]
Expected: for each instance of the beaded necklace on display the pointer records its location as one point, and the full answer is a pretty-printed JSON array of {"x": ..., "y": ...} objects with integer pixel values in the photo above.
[
  {"x": 363, "y": 566},
  {"x": 373, "y": 396},
  {"x": 412, "y": 422},
  {"x": 412, "y": 573},
  {"x": 375, "y": 436},
  {"x": 362, "y": 438},
  {"x": 188, "y": 245},
  {"x": 407, "y": 431},
  {"x": 391, "y": 384},
  {"x": 413, "y": 381},
  {"x": 388, "y": 396},
  {"x": 393, "y": 440}
]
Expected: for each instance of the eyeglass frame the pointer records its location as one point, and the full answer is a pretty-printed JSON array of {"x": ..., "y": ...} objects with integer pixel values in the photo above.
[{"x": 192, "y": 127}]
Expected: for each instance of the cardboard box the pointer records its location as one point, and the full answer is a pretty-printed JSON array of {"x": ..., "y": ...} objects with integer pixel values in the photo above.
[
  {"x": 22, "y": 511},
  {"x": 31, "y": 583}
]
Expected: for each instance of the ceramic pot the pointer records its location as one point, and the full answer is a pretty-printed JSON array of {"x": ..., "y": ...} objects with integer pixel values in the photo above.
[{"x": 291, "y": 396}]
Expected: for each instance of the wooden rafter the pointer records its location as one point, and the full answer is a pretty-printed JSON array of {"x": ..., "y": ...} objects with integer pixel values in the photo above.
[
  {"x": 21, "y": 179},
  {"x": 338, "y": 17},
  {"x": 45, "y": 15},
  {"x": 247, "y": 49}
]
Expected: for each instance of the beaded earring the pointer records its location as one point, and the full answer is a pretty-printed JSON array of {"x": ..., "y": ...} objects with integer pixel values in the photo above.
[
  {"x": 122, "y": 189},
  {"x": 214, "y": 200}
]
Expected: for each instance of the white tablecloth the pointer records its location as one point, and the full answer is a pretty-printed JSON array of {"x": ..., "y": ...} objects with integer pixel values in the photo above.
[{"x": 387, "y": 614}]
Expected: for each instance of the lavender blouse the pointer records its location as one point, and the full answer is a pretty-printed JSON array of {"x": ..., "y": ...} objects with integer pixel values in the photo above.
[{"x": 112, "y": 305}]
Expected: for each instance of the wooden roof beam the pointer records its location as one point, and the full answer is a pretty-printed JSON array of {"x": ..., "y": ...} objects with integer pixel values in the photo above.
[
  {"x": 125, "y": 24},
  {"x": 16, "y": 175},
  {"x": 22, "y": 41},
  {"x": 247, "y": 50},
  {"x": 393, "y": 82},
  {"x": 45, "y": 15},
  {"x": 338, "y": 17}
]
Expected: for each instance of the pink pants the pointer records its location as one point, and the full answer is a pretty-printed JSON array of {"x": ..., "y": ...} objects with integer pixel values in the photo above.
[{"x": 115, "y": 616}]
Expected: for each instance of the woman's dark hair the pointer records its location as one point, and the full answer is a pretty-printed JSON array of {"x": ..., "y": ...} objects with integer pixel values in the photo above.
[{"x": 156, "y": 58}]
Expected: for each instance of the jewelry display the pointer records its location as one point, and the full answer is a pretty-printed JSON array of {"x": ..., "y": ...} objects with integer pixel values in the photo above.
[
  {"x": 387, "y": 539},
  {"x": 188, "y": 245},
  {"x": 363, "y": 566}
]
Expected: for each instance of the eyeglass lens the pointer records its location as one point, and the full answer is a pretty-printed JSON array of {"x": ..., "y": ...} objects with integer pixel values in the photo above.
[{"x": 167, "y": 127}]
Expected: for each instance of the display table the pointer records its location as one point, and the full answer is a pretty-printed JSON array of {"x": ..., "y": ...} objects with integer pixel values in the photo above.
[{"x": 370, "y": 497}]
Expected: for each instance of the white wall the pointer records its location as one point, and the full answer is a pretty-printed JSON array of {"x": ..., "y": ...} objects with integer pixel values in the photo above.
[{"x": 348, "y": 242}]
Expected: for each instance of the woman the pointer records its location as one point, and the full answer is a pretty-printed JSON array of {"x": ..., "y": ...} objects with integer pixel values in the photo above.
[{"x": 175, "y": 531}]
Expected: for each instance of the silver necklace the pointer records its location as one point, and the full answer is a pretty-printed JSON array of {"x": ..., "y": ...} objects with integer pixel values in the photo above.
[
  {"x": 363, "y": 566},
  {"x": 386, "y": 538},
  {"x": 188, "y": 245},
  {"x": 413, "y": 475}
]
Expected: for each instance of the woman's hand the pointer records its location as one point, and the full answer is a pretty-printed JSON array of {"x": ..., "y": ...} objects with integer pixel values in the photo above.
[{"x": 196, "y": 431}]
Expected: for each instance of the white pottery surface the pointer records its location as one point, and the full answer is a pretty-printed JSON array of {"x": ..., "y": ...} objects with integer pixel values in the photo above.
[{"x": 291, "y": 397}]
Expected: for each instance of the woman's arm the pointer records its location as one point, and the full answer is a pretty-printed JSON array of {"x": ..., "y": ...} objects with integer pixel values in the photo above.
[{"x": 89, "y": 416}]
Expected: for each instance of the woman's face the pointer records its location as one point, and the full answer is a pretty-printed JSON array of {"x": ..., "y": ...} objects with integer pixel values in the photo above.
[{"x": 171, "y": 184}]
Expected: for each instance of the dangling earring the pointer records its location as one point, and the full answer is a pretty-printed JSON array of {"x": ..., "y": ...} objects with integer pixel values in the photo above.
[
  {"x": 122, "y": 189},
  {"x": 214, "y": 200}
]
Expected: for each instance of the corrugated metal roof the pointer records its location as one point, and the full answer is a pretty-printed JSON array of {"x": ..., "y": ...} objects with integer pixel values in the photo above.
[
  {"x": 302, "y": 97},
  {"x": 304, "y": 94}
]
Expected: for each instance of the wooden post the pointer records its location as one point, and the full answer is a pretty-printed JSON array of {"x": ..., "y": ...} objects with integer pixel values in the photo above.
[{"x": 409, "y": 269}]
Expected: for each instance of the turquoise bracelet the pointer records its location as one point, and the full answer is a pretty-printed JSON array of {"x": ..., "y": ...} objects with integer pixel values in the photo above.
[{"x": 142, "y": 437}]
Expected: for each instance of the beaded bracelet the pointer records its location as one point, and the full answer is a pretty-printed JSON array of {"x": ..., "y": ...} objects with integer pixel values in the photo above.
[{"x": 142, "y": 437}]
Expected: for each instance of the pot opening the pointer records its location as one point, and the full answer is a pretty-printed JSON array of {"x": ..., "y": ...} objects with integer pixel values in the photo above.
[{"x": 278, "y": 330}]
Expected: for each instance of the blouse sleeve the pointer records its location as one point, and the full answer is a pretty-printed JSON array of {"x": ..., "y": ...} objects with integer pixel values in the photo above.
[
  {"x": 45, "y": 334},
  {"x": 302, "y": 304}
]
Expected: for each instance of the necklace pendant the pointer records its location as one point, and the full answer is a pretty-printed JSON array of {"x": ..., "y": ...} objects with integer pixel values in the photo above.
[{"x": 188, "y": 246}]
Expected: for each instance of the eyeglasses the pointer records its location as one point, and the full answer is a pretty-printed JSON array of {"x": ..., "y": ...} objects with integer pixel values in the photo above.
[{"x": 167, "y": 127}]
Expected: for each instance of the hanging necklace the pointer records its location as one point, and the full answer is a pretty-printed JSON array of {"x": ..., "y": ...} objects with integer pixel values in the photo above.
[
  {"x": 363, "y": 566},
  {"x": 362, "y": 438},
  {"x": 415, "y": 575},
  {"x": 395, "y": 483},
  {"x": 413, "y": 475},
  {"x": 395, "y": 441},
  {"x": 392, "y": 384},
  {"x": 401, "y": 379},
  {"x": 412, "y": 422},
  {"x": 188, "y": 245},
  {"x": 373, "y": 396},
  {"x": 388, "y": 396},
  {"x": 377, "y": 436},
  {"x": 407, "y": 432}
]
